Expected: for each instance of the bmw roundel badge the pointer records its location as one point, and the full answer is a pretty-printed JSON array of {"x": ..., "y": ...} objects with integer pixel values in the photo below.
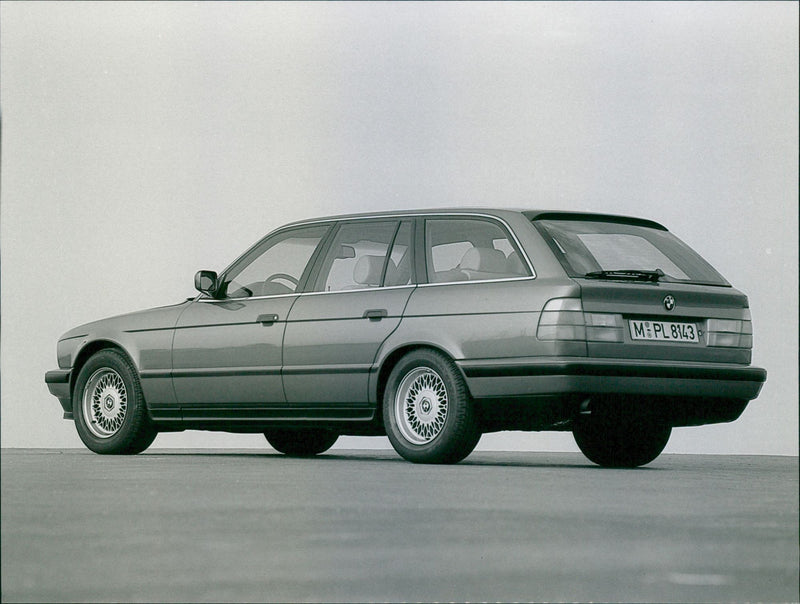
[{"x": 669, "y": 302}]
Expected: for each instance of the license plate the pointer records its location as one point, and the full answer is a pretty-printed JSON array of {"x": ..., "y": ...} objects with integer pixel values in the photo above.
[{"x": 663, "y": 331}]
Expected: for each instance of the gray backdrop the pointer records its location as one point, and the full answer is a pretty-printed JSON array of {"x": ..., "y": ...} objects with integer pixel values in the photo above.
[{"x": 144, "y": 141}]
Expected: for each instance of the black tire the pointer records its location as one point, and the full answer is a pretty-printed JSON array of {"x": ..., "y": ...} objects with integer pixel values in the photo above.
[
  {"x": 621, "y": 442},
  {"x": 301, "y": 442},
  {"x": 109, "y": 408},
  {"x": 427, "y": 410}
]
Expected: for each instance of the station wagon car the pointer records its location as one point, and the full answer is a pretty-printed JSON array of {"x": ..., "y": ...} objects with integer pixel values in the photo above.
[{"x": 431, "y": 327}]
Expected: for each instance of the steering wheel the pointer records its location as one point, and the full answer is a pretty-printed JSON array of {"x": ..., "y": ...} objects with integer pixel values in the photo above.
[{"x": 284, "y": 276}]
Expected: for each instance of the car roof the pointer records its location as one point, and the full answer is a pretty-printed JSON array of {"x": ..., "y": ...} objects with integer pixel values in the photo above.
[{"x": 491, "y": 211}]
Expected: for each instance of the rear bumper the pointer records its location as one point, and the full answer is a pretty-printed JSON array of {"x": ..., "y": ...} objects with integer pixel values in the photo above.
[
  {"x": 536, "y": 377},
  {"x": 58, "y": 382}
]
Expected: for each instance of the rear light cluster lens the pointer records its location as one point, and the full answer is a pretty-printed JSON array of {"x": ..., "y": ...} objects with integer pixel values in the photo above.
[
  {"x": 564, "y": 319},
  {"x": 731, "y": 333},
  {"x": 603, "y": 327}
]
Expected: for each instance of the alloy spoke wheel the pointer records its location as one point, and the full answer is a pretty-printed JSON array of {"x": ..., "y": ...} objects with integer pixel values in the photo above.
[
  {"x": 421, "y": 406},
  {"x": 105, "y": 402}
]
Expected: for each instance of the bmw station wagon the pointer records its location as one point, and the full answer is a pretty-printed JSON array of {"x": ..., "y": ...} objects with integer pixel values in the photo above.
[{"x": 430, "y": 327}]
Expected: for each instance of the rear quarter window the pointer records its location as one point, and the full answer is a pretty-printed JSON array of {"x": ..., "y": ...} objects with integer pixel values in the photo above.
[{"x": 471, "y": 249}]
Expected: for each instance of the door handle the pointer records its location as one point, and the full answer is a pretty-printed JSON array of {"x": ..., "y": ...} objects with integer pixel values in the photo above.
[
  {"x": 267, "y": 319},
  {"x": 375, "y": 314}
]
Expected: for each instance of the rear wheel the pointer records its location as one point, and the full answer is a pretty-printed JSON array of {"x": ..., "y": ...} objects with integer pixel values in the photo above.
[
  {"x": 109, "y": 408},
  {"x": 301, "y": 442},
  {"x": 616, "y": 441},
  {"x": 427, "y": 411}
]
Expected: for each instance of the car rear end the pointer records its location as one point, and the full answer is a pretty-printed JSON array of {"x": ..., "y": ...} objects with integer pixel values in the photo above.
[{"x": 664, "y": 331}]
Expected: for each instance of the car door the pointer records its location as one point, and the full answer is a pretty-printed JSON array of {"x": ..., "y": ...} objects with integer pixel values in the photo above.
[
  {"x": 227, "y": 351},
  {"x": 477, "y": 302},
  {"x": 334, "y": 332}
]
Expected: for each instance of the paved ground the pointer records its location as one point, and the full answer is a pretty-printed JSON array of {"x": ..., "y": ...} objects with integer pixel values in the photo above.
[{"x": 366, "y": 526}]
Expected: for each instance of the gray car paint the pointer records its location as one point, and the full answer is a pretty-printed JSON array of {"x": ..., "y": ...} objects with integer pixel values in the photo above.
[
  {"x": 223, "y": 354},
  {"x": 146, "y": 338},
  {"x": 202, "y": 355},
  {"x": 330, "y": 344}
]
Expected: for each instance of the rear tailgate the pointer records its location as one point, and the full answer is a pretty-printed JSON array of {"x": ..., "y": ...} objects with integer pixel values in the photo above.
[{"x": 668, "y": 321}]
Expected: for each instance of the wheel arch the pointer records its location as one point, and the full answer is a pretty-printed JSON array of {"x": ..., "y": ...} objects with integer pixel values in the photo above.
[
  {"x": 390, "y": 361},
  {"x": 89, "y": 350}
]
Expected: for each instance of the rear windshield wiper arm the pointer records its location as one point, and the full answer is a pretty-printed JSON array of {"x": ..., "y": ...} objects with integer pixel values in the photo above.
[{"x": 633, "y": 274}]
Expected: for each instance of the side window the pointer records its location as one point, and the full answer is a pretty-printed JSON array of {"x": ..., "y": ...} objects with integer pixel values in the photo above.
[
  {"x": 276, "y": 266},
  {"x": 470, "y": 249},
  {"x": 357, "y": 256}
]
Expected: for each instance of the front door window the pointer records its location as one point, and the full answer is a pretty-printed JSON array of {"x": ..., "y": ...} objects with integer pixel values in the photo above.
[{"x": 276, "y": 266}]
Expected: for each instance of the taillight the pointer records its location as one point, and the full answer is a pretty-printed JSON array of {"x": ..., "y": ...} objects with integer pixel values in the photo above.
[
  {"x": 564, "y": 319},
  {"x": 730, "y": 333},
  {"x": 603, "y": 327}
]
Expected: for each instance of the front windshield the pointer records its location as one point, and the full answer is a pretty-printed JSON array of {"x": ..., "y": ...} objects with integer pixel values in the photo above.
[{"x": 585, "y": 247}]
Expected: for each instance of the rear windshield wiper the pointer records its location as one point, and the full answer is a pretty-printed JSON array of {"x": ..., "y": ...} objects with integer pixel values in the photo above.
[{"x": 633, "y": 274}]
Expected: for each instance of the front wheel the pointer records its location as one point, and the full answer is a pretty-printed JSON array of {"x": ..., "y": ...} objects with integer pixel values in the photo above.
[
  {"x": 301, "y": 442},
  {"x": 108, "y": 406},
  {"x": 427, "y": 411},
  {"x": 625, "y": 443}
]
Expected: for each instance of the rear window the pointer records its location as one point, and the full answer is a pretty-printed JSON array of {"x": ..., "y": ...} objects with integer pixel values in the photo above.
[{"x": 586, "y": 246}]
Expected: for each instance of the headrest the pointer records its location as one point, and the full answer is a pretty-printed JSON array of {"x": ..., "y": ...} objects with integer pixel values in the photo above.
[
  {"x": 485, "y": 259},
  {"x": 368, "y": 270},
  {"x": 514, "y": 264}
]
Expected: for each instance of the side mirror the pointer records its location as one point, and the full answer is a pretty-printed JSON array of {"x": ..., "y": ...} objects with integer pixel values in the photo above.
[{"x": 206, "y": 282}]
